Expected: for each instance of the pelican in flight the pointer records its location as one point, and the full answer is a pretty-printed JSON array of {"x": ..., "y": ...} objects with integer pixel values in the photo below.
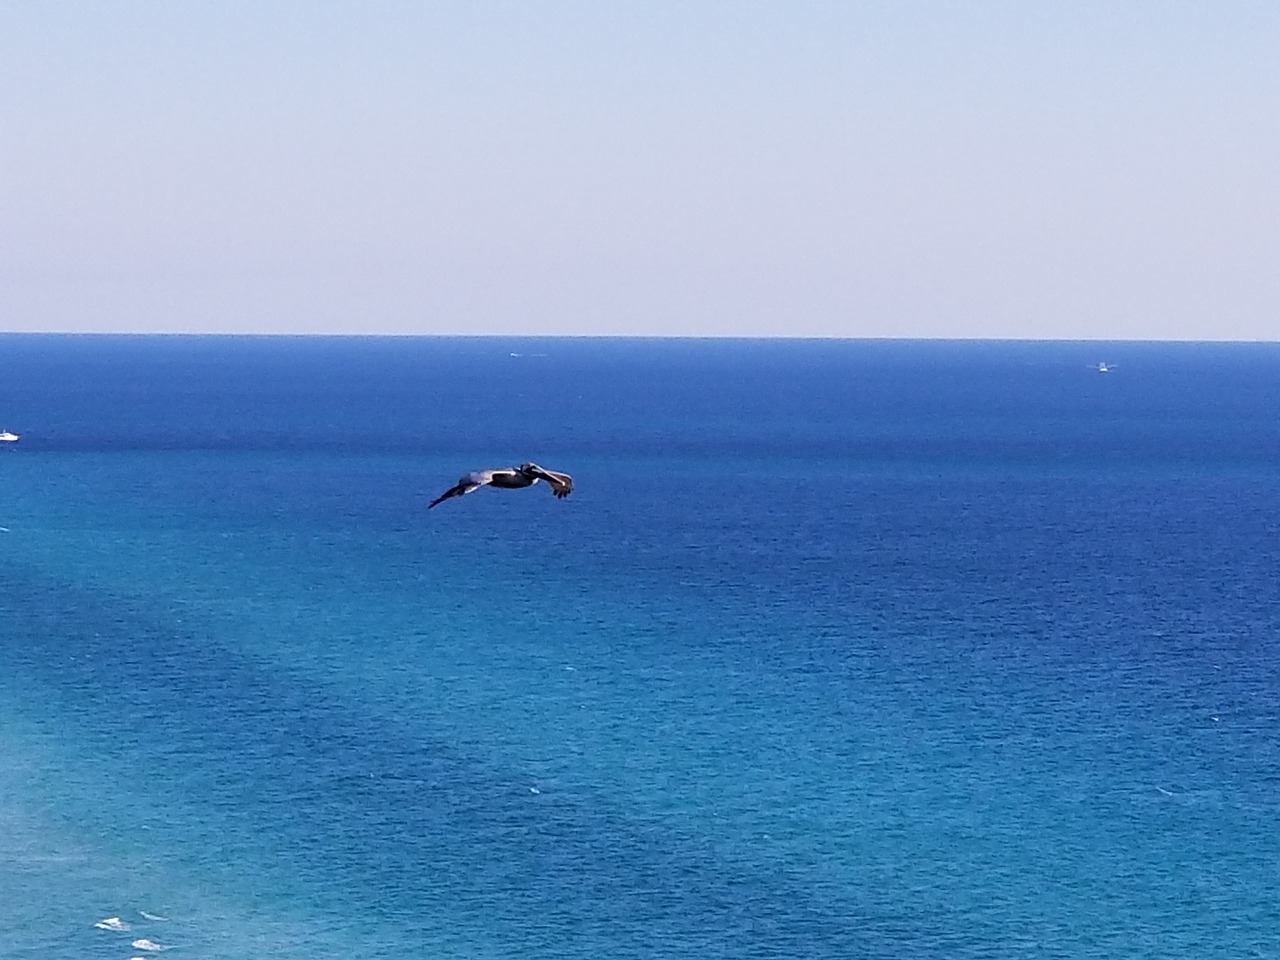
[{"x": 509, "y": 478}]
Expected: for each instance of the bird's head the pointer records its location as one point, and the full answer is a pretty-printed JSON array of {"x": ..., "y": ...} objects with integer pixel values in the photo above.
[{"x": 531, "y": 469}]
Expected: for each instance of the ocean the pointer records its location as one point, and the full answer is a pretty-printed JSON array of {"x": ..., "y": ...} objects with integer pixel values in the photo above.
[{"x": 839, "y": 649}]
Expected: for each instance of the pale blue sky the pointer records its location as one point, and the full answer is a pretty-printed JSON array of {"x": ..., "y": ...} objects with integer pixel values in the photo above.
[{"x": 904, "y": 168}]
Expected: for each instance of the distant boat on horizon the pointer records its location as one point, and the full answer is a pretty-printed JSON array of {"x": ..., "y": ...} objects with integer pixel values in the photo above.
[{"x": 1103, "y": 367}]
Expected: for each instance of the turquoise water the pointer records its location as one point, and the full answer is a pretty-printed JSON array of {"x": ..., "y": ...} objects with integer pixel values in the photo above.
[{"x": 901, "y": 650}]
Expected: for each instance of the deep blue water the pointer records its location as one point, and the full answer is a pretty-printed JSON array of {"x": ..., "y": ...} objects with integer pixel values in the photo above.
[{"x": 839, "y": 649}]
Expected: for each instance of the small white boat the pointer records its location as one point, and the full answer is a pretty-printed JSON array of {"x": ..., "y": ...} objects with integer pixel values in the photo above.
[{"x": 7, "y": 437}]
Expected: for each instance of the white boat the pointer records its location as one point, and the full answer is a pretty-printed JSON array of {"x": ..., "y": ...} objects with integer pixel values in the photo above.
[{"x": 7, "y": 437}]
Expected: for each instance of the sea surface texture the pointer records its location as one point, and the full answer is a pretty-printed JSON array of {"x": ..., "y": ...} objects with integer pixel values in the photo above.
[{"x": 839, "y": 650}]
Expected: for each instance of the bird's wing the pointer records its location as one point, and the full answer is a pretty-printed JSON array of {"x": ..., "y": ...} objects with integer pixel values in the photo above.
[
  {"x": 561, "y": 483},
  {"x": 469, "y": 483}
]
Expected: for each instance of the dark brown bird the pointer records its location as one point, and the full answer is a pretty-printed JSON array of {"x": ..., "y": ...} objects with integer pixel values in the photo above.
[{"x": 508, "y": 478}]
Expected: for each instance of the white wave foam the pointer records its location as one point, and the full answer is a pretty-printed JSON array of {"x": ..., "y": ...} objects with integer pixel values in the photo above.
[
  {"x": 150, "y": 945},
  {"x": 112, "y": 923},
  {"x": 151, "y": 916}
]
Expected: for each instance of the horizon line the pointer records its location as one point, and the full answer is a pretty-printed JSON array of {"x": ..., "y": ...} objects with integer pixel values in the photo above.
[{"x": 282, "y": 335}]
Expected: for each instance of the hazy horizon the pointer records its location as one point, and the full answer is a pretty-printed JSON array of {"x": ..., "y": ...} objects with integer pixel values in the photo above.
[
  {"x": 714, "y": 169},
  {"x": 1118, "y": 341}
]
